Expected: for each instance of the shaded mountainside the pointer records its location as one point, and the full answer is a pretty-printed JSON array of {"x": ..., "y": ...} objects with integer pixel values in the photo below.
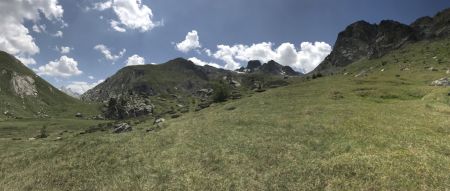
[
  {"x": 25, "y": 94},
  {"x": 178, "y": 86},
  {"x": 178, "y": 75},
  {"x": 364, "y": 40}
]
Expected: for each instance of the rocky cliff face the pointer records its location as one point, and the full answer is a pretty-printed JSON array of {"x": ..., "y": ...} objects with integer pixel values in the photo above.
[
  {"x": 364, "y": 40},
  {"x": 23, "y": 85}
]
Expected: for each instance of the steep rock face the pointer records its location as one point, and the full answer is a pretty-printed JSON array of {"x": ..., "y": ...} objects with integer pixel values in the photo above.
[
  {"x": 433, "y": 27},
  {"x": 23, "y": 85},
  {"x": 364, "y": 40}
]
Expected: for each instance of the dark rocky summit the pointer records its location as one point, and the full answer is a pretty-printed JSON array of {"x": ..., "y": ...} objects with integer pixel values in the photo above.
[
  {"x": 364, "y": 40},
  {"x": 269, "y": 68}
]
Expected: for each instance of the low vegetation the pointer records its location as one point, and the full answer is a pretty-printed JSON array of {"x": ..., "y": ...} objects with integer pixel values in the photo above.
[{"x": 372, "y": 131}]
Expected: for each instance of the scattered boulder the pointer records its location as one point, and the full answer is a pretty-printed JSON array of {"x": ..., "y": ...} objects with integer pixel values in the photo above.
[
  {"x": 230, "y": 108},
  {"x": 31, "y": 139},
  {"x": 159, "y": 121},
  {"x": 205, "y": 92},
  {"x": 122, "y": 128},
  {"x": 235, "y": 95},
  {"x": 441, "y": 82},
  {"x": 203, "y": 105},
  {"x": 157, "y": 124},
  {"x": 98, "y": 117},
  {"x": 361, "y": 74},
  {"x": 79, "y": 115}
]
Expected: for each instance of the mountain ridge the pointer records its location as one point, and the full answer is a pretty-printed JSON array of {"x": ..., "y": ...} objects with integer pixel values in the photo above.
[{"x": 364, "y": 40}]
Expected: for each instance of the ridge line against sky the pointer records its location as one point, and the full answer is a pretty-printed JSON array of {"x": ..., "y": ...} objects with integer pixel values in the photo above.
[{"x": 78, "y": 43}]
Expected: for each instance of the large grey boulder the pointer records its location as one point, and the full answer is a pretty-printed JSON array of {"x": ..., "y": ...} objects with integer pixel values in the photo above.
[{"x": 441, "y": 82}]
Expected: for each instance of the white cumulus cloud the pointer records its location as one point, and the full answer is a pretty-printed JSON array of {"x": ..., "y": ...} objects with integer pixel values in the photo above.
[
  {"x": 203, "y": 63},
  {"x": 26, "y": 60},
  {"x": 62, "y": 67},
  {"x": 115, "y": 26},
  {"x": 15, "y": 38},
  {"x": 131, "y": 14},
  {"x": 64, "y": 49},
  {"x": 108, "y": 54},
  {"x": 191, "y": 42},
  {"x": 135, "y": 60},
  {"x": 304, "y": 59},
  {"x": 39, "y": 28},
  {"x": 58, "y": 34}
]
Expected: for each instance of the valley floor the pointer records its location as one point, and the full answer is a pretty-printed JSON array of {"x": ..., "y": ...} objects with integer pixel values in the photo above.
[{"x": 388, "y": 130}]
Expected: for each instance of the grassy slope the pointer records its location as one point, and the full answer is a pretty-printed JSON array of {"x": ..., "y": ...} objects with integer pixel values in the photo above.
[
  {"x": 388, "y": 130},
  {"x": 50, "y": 100}
]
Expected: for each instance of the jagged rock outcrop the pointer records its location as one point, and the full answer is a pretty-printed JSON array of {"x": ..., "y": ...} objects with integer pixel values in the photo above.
[
  {"x": 127, "y": 107},
  {"x": 23, "y": 85},
  {"x": 364, "y": 40}
]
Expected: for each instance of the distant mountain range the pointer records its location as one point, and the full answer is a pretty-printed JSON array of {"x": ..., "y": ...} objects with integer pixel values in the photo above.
[{"x": 70, "y": 92}]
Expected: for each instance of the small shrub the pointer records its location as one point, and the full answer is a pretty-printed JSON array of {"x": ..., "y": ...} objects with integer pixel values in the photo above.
[
  {"x": 221, "y": 92},
  {"x": 317, "y": 75},
  {"x": 42, "y": 133}
]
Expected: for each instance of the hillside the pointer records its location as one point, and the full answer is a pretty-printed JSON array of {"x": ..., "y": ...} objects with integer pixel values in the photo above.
[
  {"x": 24, "y": 94},
  {"x": 378, "y": 125},
  {"x": 179, "y": 86}
]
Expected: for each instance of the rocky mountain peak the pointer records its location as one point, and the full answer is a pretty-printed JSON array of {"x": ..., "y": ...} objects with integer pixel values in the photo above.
[
  {"x": 271, "y": 68},
  {"x": 364, "y": 40},
  {"x": 253, "y": 64}
]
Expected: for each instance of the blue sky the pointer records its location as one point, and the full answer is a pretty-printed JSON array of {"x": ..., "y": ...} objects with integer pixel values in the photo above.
[{"x": 299, "y": 33}]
